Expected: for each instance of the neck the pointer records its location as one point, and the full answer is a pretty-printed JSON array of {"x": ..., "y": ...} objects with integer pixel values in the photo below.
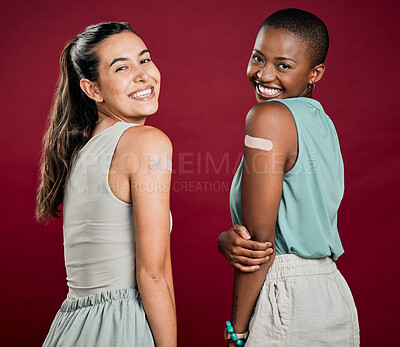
[
  {"x": 307, "y": 93},
  {"x": 102, "y": 115}
]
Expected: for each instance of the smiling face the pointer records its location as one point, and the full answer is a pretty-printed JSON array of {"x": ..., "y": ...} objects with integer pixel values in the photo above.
[
  {"x": 279, "y": 66},
  {"x": 129, "y": 82}
]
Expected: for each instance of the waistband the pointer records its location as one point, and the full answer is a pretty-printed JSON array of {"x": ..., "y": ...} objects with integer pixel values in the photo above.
[
  {"x": 292, "y": 265},
  {"x": 99, "y": 298}
]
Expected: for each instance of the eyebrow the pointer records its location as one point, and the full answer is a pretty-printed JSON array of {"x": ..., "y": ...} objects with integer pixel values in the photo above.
[
  {"x": 277, "y": 58},
  {"x": 125, "y": 59},
  {"x": 285, "y": 58}
]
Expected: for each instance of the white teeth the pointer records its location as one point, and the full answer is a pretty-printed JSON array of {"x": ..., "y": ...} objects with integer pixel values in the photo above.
[
  {"x": 141, "y": 94},
  {"x": 268, "y": 91}
]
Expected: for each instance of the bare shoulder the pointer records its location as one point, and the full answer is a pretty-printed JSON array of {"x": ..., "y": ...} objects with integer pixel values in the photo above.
[
  {"x": 268, "y": 117},
  {"x": 145, "y": 139}
]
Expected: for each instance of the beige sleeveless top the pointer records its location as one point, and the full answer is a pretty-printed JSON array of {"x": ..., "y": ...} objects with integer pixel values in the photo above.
[{"x": 98, "y": 227}]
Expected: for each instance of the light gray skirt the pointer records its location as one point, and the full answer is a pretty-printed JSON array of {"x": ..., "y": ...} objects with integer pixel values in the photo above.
[
  {"x": 304, "y": 302},
  {"x": 110, "y": 318}
]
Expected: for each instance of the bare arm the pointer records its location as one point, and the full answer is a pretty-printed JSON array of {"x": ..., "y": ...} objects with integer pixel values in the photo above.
[
  {"x": 150, "y": 191},
  {"x": 168, "y": 276},
  {"x": 261, "y": 193}
]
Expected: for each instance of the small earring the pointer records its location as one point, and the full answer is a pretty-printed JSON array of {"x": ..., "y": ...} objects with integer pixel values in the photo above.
[{"x": 311, "y": 86}]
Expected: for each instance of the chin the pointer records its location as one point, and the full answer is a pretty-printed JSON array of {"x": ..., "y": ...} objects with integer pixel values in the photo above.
[
  {"x": 144, "y": 108},
  {"x": 148, "y": 111}
]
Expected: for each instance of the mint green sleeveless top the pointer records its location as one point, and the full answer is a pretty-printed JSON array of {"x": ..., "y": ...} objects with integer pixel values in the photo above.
[{"x": 312, "y": 190}]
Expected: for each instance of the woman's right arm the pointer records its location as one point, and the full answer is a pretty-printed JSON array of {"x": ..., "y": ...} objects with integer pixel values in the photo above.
[
  {"x": 242, "y": 253},
  {"x": 150, "y": 190}
]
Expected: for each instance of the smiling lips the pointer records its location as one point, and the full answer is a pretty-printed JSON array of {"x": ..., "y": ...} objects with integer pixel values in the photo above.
[
  {"x": 267, "y": 92},
  {"x": 145, "y": 94}
]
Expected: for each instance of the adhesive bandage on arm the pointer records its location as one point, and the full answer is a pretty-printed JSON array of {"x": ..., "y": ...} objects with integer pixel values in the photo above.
[
  {"x": 258, "y": 143},
  {"x": 160, "y": 164}
]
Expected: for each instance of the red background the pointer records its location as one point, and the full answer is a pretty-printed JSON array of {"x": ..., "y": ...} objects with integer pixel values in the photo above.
[{"x": 202, "y": 49}]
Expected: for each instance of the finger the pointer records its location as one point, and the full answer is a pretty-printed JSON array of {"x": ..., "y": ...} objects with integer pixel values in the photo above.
[
  {"x": 254, "y": 245},
  {"x": 268, "y": 244},
  {"x": 246, "y": 253},
  {"x": 244, "y": 233},
  {"x": 241, "y": 231},
  {"x": 247, "y": 269},
  {"x": 249, "y": 261},
  {"x": 250, "y": 244}
]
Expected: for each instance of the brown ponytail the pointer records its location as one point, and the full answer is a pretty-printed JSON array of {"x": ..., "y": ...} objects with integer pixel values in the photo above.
[{"x": 72, "y": 117}]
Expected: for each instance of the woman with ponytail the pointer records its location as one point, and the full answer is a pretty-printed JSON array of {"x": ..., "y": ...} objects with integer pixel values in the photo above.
[{"x": 112, "y": 175}]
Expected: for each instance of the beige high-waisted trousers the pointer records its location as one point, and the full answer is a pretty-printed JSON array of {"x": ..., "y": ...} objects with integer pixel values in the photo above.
[{"x": 304, "y": 303}]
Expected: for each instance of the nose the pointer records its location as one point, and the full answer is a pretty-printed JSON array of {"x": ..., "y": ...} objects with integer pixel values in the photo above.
[
  {"x": 140, "y": 75},
  {"x": 267, "y": 73}
]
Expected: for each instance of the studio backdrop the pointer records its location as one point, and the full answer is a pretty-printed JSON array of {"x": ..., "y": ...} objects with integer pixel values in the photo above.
[{"x": 201, "y": 49}]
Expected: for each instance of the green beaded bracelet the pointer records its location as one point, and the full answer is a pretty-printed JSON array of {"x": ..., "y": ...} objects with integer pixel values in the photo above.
[{"x": 233, "y": 336}]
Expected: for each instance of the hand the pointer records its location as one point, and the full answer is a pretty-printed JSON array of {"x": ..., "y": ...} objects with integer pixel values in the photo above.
[{"x": 241, "y": 252}]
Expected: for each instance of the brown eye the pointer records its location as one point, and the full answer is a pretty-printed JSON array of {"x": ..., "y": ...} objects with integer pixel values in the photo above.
[
  {"x": 144, "y": 61},
  {"x": 284, "y": 66},
  {"x": 121, "y": 68},
  {"x": 257, "y": 58}
]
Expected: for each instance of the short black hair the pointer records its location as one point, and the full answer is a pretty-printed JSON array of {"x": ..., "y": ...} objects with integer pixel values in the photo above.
[{"x": 306, "y": 26}]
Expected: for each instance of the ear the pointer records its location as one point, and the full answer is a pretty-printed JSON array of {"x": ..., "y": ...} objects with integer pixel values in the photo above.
[
  {"x": 90, "y": 89},
  {"x": 317, "y": 73}
]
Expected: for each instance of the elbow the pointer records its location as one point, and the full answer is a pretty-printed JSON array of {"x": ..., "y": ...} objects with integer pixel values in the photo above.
[
  {"x": 263, "y": 233},
  {"x": 150, "y": 276}
]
